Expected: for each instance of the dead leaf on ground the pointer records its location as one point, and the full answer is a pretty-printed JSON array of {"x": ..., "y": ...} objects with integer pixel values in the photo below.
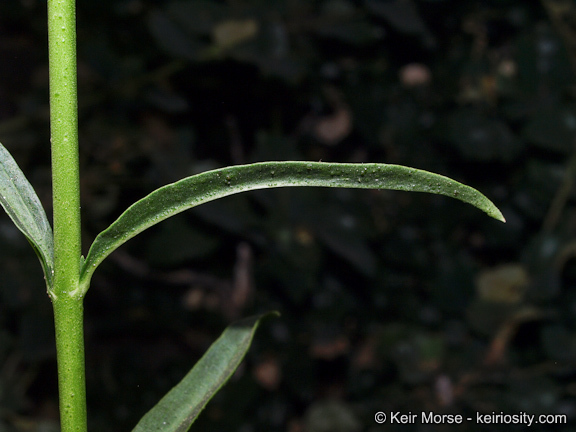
[
  {"x": 230, "y": 33},
  {"x": 503, "y": 284}
]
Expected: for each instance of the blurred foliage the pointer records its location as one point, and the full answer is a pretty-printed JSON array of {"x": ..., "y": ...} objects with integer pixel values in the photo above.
[{"x": 390, "y": 301}]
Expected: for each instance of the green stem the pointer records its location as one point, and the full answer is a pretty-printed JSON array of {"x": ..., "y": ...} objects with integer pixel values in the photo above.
[
  {"x": 66, "y": 299},
  {"x": 68, "y": 317}
]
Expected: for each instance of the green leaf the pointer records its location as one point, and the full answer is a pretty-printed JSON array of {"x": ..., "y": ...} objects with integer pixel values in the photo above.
[
  {"x": 19, "y": 200},
  {"x": 192, "y": 191},
  {"x": 180, "y": 407}
]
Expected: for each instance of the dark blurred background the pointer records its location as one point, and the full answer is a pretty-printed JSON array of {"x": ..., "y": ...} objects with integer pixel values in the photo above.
[{"x": 390, "y": 301}]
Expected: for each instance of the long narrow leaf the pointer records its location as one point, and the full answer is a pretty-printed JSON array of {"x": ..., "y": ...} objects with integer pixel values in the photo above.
[
  {"x": 178, "y": 409},
  {"x": 19, "y": 200},
  {"x": 191, "y": 191}
]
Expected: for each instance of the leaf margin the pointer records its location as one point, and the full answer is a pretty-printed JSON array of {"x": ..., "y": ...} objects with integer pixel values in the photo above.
[
  {"x": 168, "y": 415},
  {"x": 14, "y": 186},
  {"x": 218, "y": 183}
]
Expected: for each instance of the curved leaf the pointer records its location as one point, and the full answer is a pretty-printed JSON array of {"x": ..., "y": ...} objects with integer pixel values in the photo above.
[
  {"x": 178, "y": 409},
  {"x": 18, "y": 198},
  {"x": 192, "y": 191}
]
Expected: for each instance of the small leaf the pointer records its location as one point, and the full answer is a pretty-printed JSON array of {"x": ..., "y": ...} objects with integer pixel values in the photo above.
[
  {"x": 192, "y": 191},
  {"x": 19, "y": 200},
  {"x": 180, "y": 407}
]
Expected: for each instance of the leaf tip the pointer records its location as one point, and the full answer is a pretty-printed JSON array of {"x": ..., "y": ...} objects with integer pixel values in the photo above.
[{"x": 496, "y": 214}]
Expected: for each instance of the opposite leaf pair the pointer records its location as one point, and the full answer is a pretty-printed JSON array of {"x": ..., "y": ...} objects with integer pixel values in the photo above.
[{"x": 24, "y": 208}]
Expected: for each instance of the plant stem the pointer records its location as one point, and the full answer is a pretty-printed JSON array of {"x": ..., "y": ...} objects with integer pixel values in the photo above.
[
  {"x": 68, "y": 317},
  {"x": 66, "y": 299}
]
